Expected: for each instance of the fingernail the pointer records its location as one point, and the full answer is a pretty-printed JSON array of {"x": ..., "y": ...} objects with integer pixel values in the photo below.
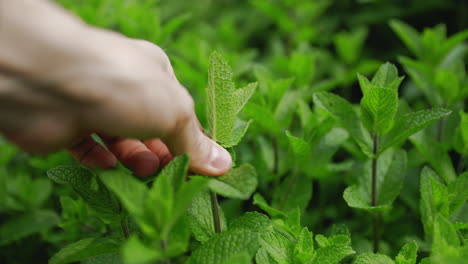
[{"x": 220, "y": 161}]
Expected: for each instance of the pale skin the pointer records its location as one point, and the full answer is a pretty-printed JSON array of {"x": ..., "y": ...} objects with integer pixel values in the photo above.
[{"x": 62, "y": 80}]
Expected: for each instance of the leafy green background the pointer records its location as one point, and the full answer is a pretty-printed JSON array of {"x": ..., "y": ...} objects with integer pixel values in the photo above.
[{"x": 321, "y": 93}]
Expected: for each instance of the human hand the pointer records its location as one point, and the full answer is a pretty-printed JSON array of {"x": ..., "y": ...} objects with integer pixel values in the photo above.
[{"x": 122, "y": 89}]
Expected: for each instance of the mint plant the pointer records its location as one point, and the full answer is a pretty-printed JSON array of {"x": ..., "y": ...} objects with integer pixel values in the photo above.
[
  {"x": 375, "y": 132},
  {"x": 323, "y": 172}
]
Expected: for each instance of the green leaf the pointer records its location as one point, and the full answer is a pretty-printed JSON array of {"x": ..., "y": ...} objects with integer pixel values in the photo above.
[
  {"x": 300, "y": 148},
  {"x": 238, "y": 183},
  {"x": 241, "y": 258},
  {"x": 176, "y": 171},
  {"x": 201, "y": 217},
  {"x": 86, "y": 248},
  {"x": 408, "y": 35},
  {"x": 262, "y": 203},
  {"x": 170, "y": 195},
  {"x": 344, "y": 112},
  {"x": 104, "y": 259},
  {"x": 435, "y": 153},
  {"x": 89, "y": 187},
  {"x": 445, "y": 235},
  {"x": 277, "y": 246},
  {"x": 262, "y": 257},
  {"x": 386, "y": 76},
  {"x": 434, "y": 200},
  {"x": 409, "y": 124},
  {"x": 27, "y": 224},
  {"x": 135, "y": 251},
  {"x": 349, "y": 44},
  {"x": 458, "y": 192},
  {"x": 407, "y": 254},
  {"x": 224, "y": 102},
  {"x": 391, "y": 169},
  {"x": 240, "y": 238},
  {"x": 295, "y": 191},
  {"x": 303, "y": 250},
  {"x": 263, "y": 117},
  {"x": 332, "y": 250},
  {"x": 372, "y": 258},
  {"x": 130, "y": 191},
  {"x": 378, "y": 108}
]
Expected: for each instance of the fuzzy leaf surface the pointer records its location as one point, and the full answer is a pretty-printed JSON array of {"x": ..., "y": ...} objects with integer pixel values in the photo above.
[
  {"x": 409, "y": 124},
  {"x": 86, "y": 248},
  {"x": 238, "y": 183},
  {"x": 224, "y": 102},
  {"x": 344, "y": 112}
]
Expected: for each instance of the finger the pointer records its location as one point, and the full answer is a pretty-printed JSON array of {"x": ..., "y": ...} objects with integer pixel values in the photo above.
[
  {"x": 160, "y": 149},
  {"x": 134, "y": 155},
  {"x": 91, "y": 154},
  {"x": 206, "y": 156}
]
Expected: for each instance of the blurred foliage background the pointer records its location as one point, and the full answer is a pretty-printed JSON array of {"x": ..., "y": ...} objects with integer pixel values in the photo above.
[{"x": 297, "y": 47}]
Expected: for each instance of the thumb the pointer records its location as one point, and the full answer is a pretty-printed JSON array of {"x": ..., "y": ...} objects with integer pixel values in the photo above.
[{"x": 206, "y": 156}]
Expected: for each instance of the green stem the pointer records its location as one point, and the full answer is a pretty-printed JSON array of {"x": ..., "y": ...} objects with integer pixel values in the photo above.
[
  {"x": 124, "y": 227},
  {"x": 376, "y": 216},
  {"x": 215, "y": 210},
  {"x": 276, "y": 155},
  {"x": 163, "y": 244}
]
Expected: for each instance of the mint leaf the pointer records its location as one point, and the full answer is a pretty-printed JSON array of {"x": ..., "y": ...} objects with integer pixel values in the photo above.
[
  {"x": 435, "y": 153},
  {"x": 378, "y": 108},
  {"x": 409, "y": 124},
  {"x": 170, "y": 195},
  {"x": 408, "y": 35},
  {"x": 224, "y": 102},
  {"x": 457, "y": 192},
  {"x": 238, "y": 183},
  {"x": 262, "y": 203},
  {"x": 104, "y": 259},
  {"x": 434, "y": 200},
  {"x": 380, "y": 101},
  {"x": 130, "y": 191},
  {"x": 27, "y": 224},
  {"x": 86, "y": 248},
  {"x": 333, "y": 249},
  {"x": 387, "y": 77},
  {"x": 300, "y": 148},
  {"x": 201, "y": 217},
  {"x": 372, "y": 258},
  {"x": 407, "y": 254},
  {"x": 89, "y": 187},
  {"x": 263, "y": 117},
  {"x": 345, "y": 114},
  {"x": 135, "y": 251},
  {"x": 391, "y": 168},
  {"x": 294, "y": 192},
  {"x": 262, "y": 257},
  {"x": 241, "y": 237},
  {"x": 303, "y": 250},
  {"x": 277, "y": 246}
]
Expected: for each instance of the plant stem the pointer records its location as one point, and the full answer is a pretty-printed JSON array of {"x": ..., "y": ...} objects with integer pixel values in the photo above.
[
  {"x": 276, "y": 155},
  {"x": 215, "y": 210},
  {"x": 376, "y": 216},
  {"x": 163, "y": 244},
  {"x": 124, "y": 227}
]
